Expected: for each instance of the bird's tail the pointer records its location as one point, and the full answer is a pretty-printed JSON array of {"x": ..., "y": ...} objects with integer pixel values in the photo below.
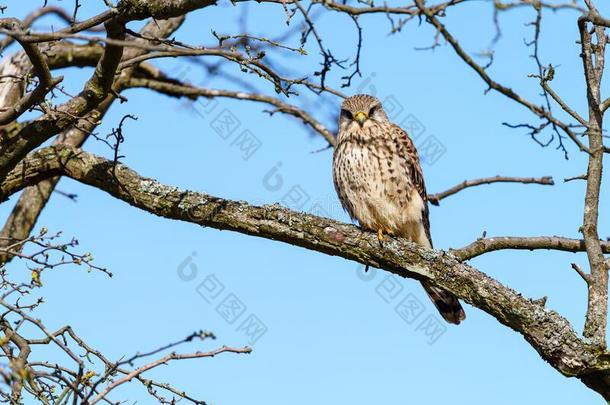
[{"x": 447, "y": 304}]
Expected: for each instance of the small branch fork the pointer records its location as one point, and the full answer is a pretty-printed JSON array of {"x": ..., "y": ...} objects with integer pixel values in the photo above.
[{"x": 46, "y": 82}]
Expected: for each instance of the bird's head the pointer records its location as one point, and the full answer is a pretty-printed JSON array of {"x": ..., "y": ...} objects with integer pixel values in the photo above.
[{"x": 359, "y": 111}]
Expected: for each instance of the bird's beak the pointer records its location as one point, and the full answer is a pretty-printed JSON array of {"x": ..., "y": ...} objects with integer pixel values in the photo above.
[{"x": 361, "y": 117}]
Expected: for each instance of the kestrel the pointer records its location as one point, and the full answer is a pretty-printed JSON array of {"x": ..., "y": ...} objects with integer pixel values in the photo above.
[{"x": 379, "y": 181}]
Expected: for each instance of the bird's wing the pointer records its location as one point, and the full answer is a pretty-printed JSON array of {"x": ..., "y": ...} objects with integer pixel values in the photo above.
[{"x": 416, "y": 175}]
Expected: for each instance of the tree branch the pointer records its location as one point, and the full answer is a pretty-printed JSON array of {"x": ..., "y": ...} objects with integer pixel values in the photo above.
[
  {"x": 435, "y": 199},
  {"x": 410, "y": 9},
  {"x": 604, "y": 105},
  {"x": 486, "y": 245},
  {"x": 164, "y": 360},
  {"x": 46, "y": 82},
  {"x": 61, "y": 13},
  {"x": 32, "y": 135},
  {"x": 545, "y": 85},
  {"x": 131, "y": 10},
  {"x": 507, "y": 91},
  {"x": 593, "y": 65},
  {"x": 34, "y": 198},
  {"x": 580, "y": 272},
  {"x": 182, "y": 90},
  {"x": 549, "y": 333}
]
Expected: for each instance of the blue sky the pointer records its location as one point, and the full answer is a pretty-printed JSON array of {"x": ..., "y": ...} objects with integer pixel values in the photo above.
[{"x": 333, "y": 335}]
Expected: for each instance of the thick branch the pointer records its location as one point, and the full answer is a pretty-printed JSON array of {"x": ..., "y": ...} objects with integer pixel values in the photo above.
[
  {"x": 549, "y": 333},
  {"x": 593, "y": 65},
  {"x": 159, "y": 9}
]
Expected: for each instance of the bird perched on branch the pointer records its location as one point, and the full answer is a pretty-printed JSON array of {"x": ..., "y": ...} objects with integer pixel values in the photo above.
[{"x": 379, "y": 181}]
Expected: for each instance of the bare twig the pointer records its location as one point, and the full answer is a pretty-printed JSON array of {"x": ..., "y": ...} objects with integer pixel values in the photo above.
[
  {"x": 182, "y": 90},
  {"x": 435, "y": 199},
  {"x": 507, "y": 91},
  {"x": 580, "y": 272},
  {"x": 164, "y": 360}
]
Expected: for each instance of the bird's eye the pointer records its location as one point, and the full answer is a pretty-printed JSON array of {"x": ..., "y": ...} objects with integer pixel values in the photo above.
[
  {"x": 346, "y": 114},
  {"x": 373, "y": 110}
]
